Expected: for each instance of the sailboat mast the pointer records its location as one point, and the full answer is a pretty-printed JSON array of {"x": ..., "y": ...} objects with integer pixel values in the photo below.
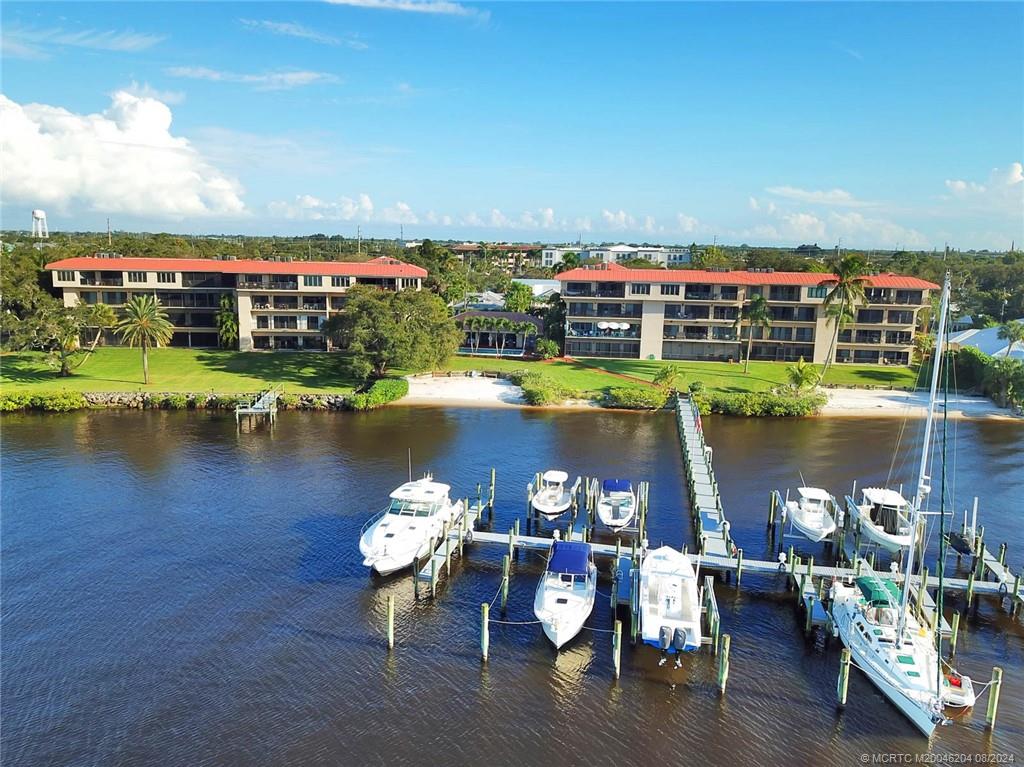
[{"x": 922, "y": 478}]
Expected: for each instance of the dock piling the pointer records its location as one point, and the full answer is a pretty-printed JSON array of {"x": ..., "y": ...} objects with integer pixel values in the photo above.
[
  {"x": 739, "y": 567},
  {"x": 993, "y": 697},
  {"x": 433, "y": 576},
  {"x": 485, "y": 635},
  {"x": 617, "y": 647},
  {"x": 771, "y": 509},
  {"x": 723, "y": 663},
  {"x": 953, "y": 634},
  {"x": 844, "y": 675},
  {"x": 391, "y": 622},
  {"x": 808, "y": 622},
  {"x": 506, "y": 574}
]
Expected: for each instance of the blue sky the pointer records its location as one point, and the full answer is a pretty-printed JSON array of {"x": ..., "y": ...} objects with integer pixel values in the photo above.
[{"x": 881, "y": 124}]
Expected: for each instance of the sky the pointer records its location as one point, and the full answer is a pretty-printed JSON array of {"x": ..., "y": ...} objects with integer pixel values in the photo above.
[{"x": 871, "y": 125}]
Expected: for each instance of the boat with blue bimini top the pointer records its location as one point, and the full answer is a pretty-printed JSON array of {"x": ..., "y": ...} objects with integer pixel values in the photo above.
[
  {"x": 402, "y": 532},
  {"x": 669, "y": 603},
  {"x": 616, "y": 506},
  {"x": 565, "y": 594}
]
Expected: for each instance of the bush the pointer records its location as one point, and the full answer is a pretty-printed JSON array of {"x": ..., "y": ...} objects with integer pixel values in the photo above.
[
  {"x": 538, "y": 389},
  {"x": 288, "y": 401},
  {"x": 634, "y": 398},
  {"x": 175, "y": 402},
  {"x": 15, "y": 400},
  {"x": 969, "y": 365},
  {"x": 760, "y": 404},
  {"x": 546, "y": 348},
  {"x": 380, "y": 393},
  {"x": 696, "y": 387},
  {"x": 55, "y": 401}
]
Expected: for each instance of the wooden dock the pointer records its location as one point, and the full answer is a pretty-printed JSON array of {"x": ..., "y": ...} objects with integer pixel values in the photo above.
[
  {"x": 263, "y": 406},
  {"x": 702, "y": 487}
]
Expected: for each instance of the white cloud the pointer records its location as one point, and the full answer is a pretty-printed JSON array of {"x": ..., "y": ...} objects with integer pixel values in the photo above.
[
  {"x": 294, "y": 29},
  {"x": 650, "y": 226},
  {"x": 687, "y": 224},
  {"x": 617, "y": 220},
  {"x": 855, "y": 227},
  {"x": 124, "y": 160},
  {"x": 268, "y": 81},
  {"x": 547, "y": 218},
  {"x": 306, "y": 207},
  {"x": 837, "y": 197},
  {"x": 1002, "y": 193},
  {"x": 145, "y": 91},
  {"x": 434, "y": 7},
  {"x": 803, "y": 226},
  {"x": 399, "y": 213},
  {"x": 33, "y": 42}
]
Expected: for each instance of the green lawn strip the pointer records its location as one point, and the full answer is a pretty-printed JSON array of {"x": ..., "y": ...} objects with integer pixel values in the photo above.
[{"x": 182, "y": 370}]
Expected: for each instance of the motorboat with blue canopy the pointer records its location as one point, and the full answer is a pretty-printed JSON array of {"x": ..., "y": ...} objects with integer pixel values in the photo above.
[
  {"x": 566, "y": 591},
  {"x": 616, "y": 506}
]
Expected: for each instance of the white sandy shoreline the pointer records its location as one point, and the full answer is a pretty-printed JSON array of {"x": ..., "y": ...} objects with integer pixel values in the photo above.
[{"x": 478, "y": 391}]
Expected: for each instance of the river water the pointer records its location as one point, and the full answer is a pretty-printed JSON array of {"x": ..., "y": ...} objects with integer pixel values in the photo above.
[{"x": 176, "y": 593}]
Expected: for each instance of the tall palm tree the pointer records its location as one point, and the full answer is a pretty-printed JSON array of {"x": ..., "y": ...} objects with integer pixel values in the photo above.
[
  {"x": 99, "y": 317},
  {"x": 474, "y": 325},
  {"x": 526, "y": 330},
  {"x": 755, "y": 314},
  {"x": 502, "y": 326},
  {"x": 1013, "y": 333},
  {"x": 145, "y": 323},
  {"x": 227, "y": 322},
  {"x": 847, "y": 292}
]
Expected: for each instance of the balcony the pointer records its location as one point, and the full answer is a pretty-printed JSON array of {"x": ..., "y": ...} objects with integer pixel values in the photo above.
[
  {"x": 784, "y": 294},
  {"x": 315, "y": 307},
  {"x": 268, "y": 285},
  {"x": 688, "y": 334},
  {"x": 687, "y": 312}
]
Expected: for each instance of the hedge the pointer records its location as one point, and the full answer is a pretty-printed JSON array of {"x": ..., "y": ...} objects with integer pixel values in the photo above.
[
  {"x": 55, "y": 401},
  {"x": 636, "y": 399},
  {"x": 760, "y": 404},
  {"x": 538, "y": 389},
  {"x": 380, "y": 393}
]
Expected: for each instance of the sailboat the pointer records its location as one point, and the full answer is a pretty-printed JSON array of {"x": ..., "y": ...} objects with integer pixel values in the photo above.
[
  {"x": 669, "y": 603},
  {"x": 872, "y": 616},
  {"x": 812, "y": 513},
  {"x": 401, "y": 533},
  {"x": 553, "y": 498},
  {"x": 566, "y": 591}
]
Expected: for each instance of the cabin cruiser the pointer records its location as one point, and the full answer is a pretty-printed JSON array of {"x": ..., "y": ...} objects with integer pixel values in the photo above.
[
  {"x": 401, "y": 533},
  {"x": 812, "y": 513},
  {"x": 669, "y": 603},
  {"x": 553, "y": 498},
  {"x": 616, "y": 506},
  {"x": 884, "y": 517},
  {"x": 565, "y": 594}
]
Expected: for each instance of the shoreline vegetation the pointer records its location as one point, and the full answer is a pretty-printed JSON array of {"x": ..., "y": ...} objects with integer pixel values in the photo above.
[{"x": 210, "y": 379}]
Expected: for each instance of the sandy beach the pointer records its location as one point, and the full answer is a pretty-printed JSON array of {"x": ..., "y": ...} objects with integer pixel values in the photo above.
[{"x": 881, "y": 403}]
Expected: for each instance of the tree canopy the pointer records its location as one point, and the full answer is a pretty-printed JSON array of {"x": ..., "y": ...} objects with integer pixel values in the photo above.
[{"x": 518, "y": 297}]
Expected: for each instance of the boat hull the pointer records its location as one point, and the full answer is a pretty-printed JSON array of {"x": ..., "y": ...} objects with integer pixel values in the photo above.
[{"x": 890, "y": 542}]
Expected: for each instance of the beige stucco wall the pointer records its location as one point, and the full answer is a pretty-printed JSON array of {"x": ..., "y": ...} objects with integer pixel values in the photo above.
[{"x": 652, "y": 328}]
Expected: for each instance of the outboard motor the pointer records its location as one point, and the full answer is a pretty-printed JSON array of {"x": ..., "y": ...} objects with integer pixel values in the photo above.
[
  {"x": 665, "y": 637},
  {"x": 679, "y": 640}
]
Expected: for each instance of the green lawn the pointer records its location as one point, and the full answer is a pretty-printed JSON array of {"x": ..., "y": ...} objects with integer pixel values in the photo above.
[
  {"x": 171, "y": 370},
  {"x": 120, "y": 369}
]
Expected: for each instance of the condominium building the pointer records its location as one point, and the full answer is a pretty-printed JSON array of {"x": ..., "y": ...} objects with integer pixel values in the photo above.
[
  {"x": 614, "y": 254},
  {"x": 682, "y": 314},
  {"x": 280, "y": 304}
]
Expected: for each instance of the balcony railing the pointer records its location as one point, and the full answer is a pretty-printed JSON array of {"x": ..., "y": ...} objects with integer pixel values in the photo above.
[
  {"x": 268, "y": 285},
  {"x": 598, "y": 334},
  {"x": 629, "y": 313}
]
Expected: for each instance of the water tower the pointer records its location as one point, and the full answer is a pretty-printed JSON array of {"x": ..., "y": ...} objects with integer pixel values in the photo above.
[{"x": 39, "y": 225}]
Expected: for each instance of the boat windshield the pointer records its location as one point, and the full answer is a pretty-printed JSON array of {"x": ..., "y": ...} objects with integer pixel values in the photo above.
[{"x": 412, "y": 508}]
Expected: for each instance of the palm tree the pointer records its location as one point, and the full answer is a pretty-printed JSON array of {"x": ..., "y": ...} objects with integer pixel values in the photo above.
[
  {"x": 525, "y": 329},
  {"x": 145, "y": 323},
  {"x": 227, "y": 323},
  {"x": 755, "y": 314},
  {"x": 667, "y": 376},
  {"x": 847, "y": 283},
  {"x": 1013, "y": 333},
  {"x": 802, "y": 375},
  {"x": 502, "y": 326},
  {"x": 101, "y": 317},
  {"x": 474, "y": 325},
  {"x": 569, "y": 261}
]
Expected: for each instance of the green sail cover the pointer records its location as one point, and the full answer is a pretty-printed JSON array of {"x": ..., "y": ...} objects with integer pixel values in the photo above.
[{"x": 878, "y": 592}]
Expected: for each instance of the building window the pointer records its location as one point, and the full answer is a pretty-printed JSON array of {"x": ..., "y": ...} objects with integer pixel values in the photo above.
[
  {"x": 114, "y": 298},
  {"x": 312, "y": 280},
  {"x": 670, "y": 290},
  {"x": 88, "y": 297},
  {"x": 136, "y": 276},
  {"x": 640, "y": 289},
  {"x": 817, "y": 292},
  {"x": 66, "y": 276},
  {"x": 340, "y": 282},
  {"x": 165, "y": 277}
]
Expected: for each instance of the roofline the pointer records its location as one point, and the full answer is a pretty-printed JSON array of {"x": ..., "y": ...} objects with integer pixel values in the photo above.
[
  {"x": 379, "y": 267},
  {"x": 619, "y": 273}
]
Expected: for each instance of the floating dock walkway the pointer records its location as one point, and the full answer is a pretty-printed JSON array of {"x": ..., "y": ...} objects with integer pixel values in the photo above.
[{"x": 263, "y": 406}]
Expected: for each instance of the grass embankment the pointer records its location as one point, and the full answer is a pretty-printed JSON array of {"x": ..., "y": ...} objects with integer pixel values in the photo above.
[
  {"x": 183, "y": 370},
  {"x": 203, "y": 370}
]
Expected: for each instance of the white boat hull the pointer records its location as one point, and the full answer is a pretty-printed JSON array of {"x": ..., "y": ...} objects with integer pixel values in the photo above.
[
  {"x": 669, "y": 603},
  {"x": 891, "y": 542},
  {"x": 551, "y": 507},
  {"x": 614, "y": 515},
  {"x": 563, "y": 612},
  {"x": 815, "y": 528},
  {"x": 391, "y": 544}
]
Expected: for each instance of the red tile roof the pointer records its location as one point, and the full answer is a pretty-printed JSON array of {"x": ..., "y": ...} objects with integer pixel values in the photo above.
[
  {"x": 377, "y": 267},
  {"x": 619, "y": 273}
]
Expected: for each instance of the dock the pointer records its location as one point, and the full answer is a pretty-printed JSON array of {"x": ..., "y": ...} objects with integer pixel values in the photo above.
[
  {"x": 264, "y": 406},
  {"x": 702, "y": 487}
]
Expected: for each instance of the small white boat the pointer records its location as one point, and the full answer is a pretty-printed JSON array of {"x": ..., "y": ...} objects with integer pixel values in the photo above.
[
  {"x": 668, "y": 602},
  {"x": 813, "y": 513},
  {"x": 616, "y": 506},
  {"x": 957, "y": 690},
  {"x": 884, "y": 517},
  {"x": 553, "y": 498},
  {"x": 401, "y": 533},
  {"x": 565, "y": 594}
]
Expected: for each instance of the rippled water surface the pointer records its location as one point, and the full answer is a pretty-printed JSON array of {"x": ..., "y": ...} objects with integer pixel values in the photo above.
[{"x": 175, "y": 593}]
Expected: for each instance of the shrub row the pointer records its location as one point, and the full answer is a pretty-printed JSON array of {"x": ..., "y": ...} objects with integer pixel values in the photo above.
[
  {"x": 634, "y": 398},
  {"x": 380, "y": 393},
  {"x": 55, "y": 401},
  {"x": 538, "y": 389},
  {"x": 760, "y": 404}
]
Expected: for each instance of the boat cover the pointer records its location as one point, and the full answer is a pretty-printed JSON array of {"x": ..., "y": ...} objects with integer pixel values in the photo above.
[
  {"x": 569, "y": 557},
  {"x": 878, "y": 592},
  {"x": 616, "y": 486},
  {"x": 555, "y": 477}
]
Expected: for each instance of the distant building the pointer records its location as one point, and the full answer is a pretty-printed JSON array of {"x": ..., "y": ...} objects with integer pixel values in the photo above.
[
  {"x": 542, "y": 289},
  {"x": 616, "y": 254},
  {"x": 280, "y": 304},
  {"x": 985, "y": 340}
]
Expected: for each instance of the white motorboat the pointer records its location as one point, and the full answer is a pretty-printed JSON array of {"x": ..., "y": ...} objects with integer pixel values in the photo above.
[
  {"x": 553, "y": 498},
  {"x": 884, "y": 517},
  {"x": 668, "y": 602},
  {"x": 616, "y": 505},
  {"x": 812, "y": 513},
  {"x": 401, "y": 533},
  {"x": 565, "y": 594},
  {"x": 898, "y": 657}
]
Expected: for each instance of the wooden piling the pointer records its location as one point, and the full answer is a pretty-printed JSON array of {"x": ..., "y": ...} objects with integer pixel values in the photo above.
[
  {"x": 993, "y": 697},
  {"x": 617, "y": 647},
  {"x": 416, "y": 578},
  {"x": 955, "y": 630},
  {"x": 771, "y": 509},
  {"x": 485, "y": 634},
  {"x": 723, "y": 664},
  {"x": 506, "y": 574},
  {"x": 844, "y": 675},
  {"x": 970, "y": 588},
  {"x": 491, "y": 501},
  {"x": 810, "y": 566},
  {"x": 803, "y": 585},
  {"x": 433, "y": 577},
  {"x": 391, "y": 622},
  {"x": 739, "y": 566},
  {"x": 511, "y": 542},
  {"x": 789, "y": 559},
  {"x": 1002, "y": 553},
  {"x": 808, "y": 621}
]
